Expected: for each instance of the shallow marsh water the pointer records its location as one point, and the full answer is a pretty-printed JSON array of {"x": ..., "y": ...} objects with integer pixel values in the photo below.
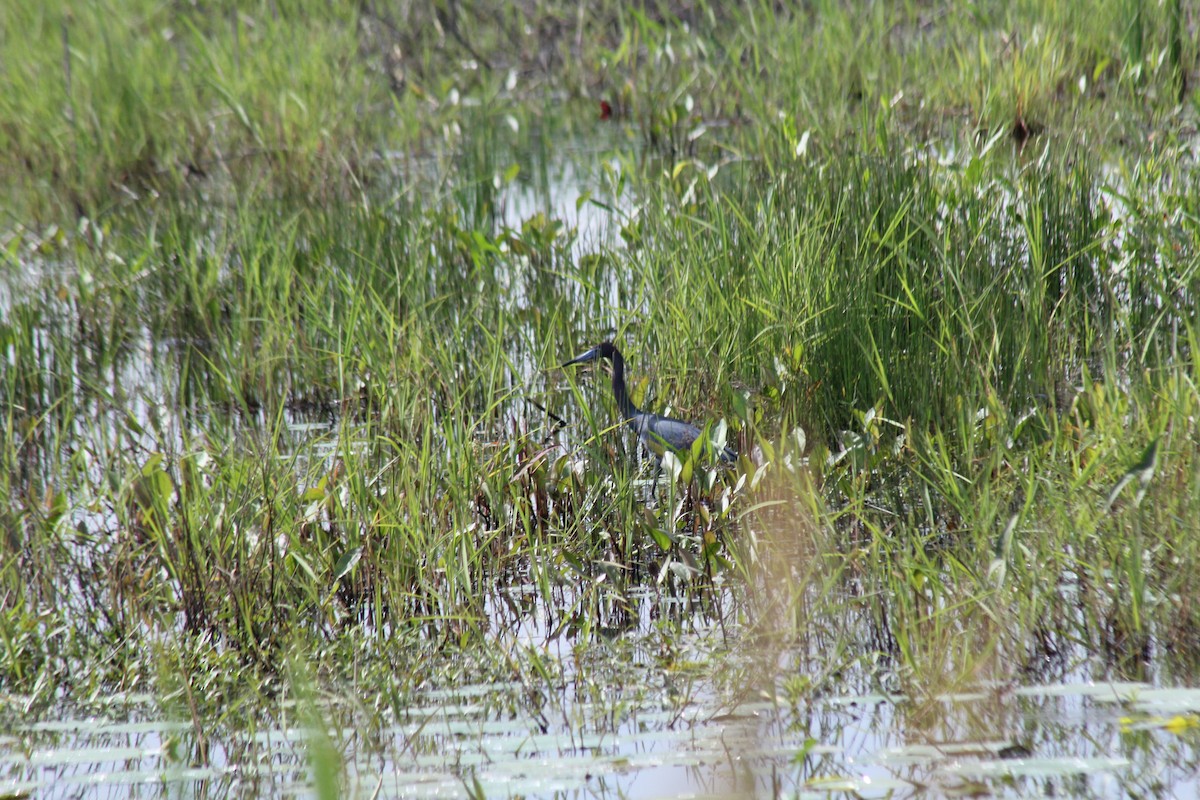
[
  {"x": 1066, "y": 740},
  {"x": 649, "y": 716}
]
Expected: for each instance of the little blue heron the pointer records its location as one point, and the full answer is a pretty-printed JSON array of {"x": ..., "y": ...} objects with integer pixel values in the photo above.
[{"x": 658, "y": 433}]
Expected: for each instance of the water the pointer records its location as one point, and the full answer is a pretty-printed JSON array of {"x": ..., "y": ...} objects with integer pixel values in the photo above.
[
  {"x": 1069, "y": 740},
  {"x": 646, "y": 713}
]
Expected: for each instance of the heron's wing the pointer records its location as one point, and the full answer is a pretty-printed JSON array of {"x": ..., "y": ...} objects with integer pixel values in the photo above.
[{"x": 664, "y": 433}]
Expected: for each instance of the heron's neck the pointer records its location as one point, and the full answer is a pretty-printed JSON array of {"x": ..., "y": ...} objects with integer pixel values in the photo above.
[{"x": 628, "y": 409}]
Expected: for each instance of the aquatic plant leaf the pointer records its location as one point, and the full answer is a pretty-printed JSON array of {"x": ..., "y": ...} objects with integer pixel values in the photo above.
[
  {"x": 346, "y": 563},
  {"x": 998, "y": 567},
  {"x": 661, "y": 538},
  {"x": 1037, "y": 767},
  {"x": 1142, "y": 471},
  {"x": 672, "y": 465}
]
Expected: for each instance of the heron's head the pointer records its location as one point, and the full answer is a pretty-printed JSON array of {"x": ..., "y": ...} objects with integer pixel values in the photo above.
[{"x": 602, "y": 350}]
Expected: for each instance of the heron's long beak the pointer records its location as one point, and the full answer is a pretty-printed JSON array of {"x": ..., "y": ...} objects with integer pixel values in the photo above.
[{"x": 590, "y": 355}]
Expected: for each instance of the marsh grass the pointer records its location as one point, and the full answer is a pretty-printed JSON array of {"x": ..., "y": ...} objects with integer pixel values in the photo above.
[
  {"x": 114, "y": 102},
  {"x": 440, "y": 476},
  {"x": 311, "y": 405}
]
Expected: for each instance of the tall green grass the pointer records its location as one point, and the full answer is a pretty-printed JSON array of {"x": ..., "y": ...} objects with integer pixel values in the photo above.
[
  {"x": 1011, "y": 367},
  {"x": 117, "y": 101},
  {"x": 109, "y": 102}
]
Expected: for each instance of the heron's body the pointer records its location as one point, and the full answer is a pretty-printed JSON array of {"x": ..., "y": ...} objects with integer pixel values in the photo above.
[{"x": 656, "y": 432}]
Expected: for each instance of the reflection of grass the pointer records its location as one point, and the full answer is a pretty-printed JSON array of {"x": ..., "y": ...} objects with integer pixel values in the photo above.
[{"x": 990, "y": 359}]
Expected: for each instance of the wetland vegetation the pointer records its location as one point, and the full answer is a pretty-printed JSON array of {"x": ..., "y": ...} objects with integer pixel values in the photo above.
[{"x": 295, "y": 498}]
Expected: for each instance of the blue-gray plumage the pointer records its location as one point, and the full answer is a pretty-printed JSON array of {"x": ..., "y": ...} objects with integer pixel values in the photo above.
[{"x": 657, "y": 433}]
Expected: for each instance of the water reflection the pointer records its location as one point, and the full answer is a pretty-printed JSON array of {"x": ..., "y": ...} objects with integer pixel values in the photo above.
[{"x": 635, "y": 738}]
